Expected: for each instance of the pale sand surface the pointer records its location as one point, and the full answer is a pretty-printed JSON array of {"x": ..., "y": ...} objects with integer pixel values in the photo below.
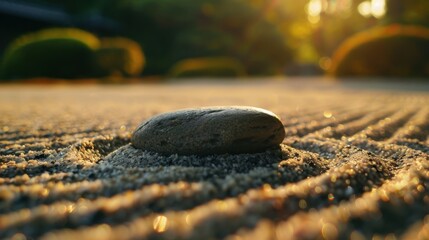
[{"x": 354, "y": 164}]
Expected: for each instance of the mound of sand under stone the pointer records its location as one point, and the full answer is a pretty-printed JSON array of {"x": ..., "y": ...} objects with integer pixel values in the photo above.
[{"x": 354, "y": 164}]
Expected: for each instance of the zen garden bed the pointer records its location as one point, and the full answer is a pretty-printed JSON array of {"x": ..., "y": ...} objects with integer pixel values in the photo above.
[{"x": 354, "y": 163}]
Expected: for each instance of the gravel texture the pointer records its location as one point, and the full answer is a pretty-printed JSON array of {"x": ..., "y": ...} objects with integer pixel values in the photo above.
[{"x": 354, "y": 165}]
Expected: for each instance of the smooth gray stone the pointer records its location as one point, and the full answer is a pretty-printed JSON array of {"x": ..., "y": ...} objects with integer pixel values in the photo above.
[{"x": 215, "y": 130}]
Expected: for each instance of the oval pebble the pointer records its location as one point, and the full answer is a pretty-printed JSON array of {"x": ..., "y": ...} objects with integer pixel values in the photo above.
[{"x": 215, "y": 130}]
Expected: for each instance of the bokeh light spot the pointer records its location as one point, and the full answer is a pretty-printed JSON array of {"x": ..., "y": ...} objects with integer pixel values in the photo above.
[
  {"x": 160, "y": 223},
  {"x": 378, "y": 8},
  {"x": 364, "y": 9},
  {"x": 327, "y": 114}
]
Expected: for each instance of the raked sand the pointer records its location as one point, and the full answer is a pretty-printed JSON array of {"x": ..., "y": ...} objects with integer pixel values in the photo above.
[{"x": 354, "y": 164}]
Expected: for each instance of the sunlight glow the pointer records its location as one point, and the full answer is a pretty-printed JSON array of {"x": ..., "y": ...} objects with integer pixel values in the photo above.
[
  {"x": 314, "y": 7},
  {"x": 365, "y": 9},
  {"x": 378, "y": 8},
  {"x": 375, "y": 8}
]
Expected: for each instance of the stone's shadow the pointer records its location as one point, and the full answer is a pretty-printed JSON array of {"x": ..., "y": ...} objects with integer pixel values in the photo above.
[
  {"x": 130, "y": 157},
  {"x": 220, "y": 177},
  {"x": 119, "y": 168}
]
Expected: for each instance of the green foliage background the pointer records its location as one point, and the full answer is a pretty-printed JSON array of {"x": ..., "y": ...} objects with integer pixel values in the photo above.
[
  {"x": 119, "y": 56},
  {"x": 394, "y": 51},
  {"x": 171, "y": 30},
  {"x": 264, "y": 35},
  {"x": 56, "y": 53}
]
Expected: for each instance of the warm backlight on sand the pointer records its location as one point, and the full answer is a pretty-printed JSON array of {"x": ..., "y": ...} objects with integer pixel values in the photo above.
[
  {"x": 160, "y": 223},
  {"x": 327, "y": 114}
]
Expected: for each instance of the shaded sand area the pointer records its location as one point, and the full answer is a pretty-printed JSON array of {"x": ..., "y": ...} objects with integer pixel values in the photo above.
[{"x": 354, "y": 164}]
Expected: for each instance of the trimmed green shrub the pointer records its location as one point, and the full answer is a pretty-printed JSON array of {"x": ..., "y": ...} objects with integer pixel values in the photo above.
[
  {"x": 207, "y": 67},
  {"x": 56, "y": 53},
  {"x": 119, "y": 56},
  {"x": 391, "y": 51}
]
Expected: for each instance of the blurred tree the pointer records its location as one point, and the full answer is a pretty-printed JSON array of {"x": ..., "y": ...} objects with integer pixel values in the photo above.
[
  {"x": 315, "y": 28},
  {"x": 263, "y": 34},
  {"x": 409, "y": 12},
  {"x": 171, "y": 30}
]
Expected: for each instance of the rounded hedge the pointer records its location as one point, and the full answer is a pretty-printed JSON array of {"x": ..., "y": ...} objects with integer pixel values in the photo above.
[
  {"x": 207, "y": 67},
  {"x": 119, "y": 56},
  {"x": 391, "y": 51},
  {"x": 56, "y": 53}
]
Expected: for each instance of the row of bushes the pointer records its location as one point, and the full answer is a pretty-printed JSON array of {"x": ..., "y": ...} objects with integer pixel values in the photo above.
[
  {"x": 395, "y": 50},
  {"x": 70, "y": 53},
  {"x": 73, "y": 53},
  {"x": 389, "y": 51},
  {"x": 392, "y": 51}
]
